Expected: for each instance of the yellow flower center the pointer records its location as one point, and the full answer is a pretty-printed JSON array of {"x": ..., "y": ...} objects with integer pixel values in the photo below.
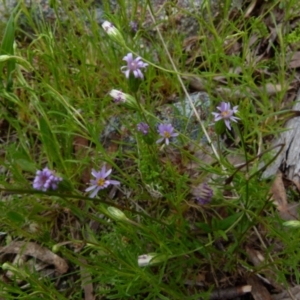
[
  {"x": 225, "y": 113},
  {"x": 101, "y": 181},
  {"x": 167, "y": 134}
]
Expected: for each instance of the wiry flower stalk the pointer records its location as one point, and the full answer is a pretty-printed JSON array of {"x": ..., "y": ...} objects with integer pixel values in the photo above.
[
  {"x": 199, "y": 119},
  {"x": 186, "y": 92}
]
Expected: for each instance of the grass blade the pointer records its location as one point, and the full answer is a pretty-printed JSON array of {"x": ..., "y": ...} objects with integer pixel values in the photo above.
[{"x": 7, "y": 48}]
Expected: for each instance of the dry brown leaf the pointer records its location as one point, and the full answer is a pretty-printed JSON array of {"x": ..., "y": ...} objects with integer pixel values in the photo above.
[
  {"x": 253, "y": 39},
  {"x": 278, "y": 193},
  {"x": 250, "y": 8},
  {"x": 255, "y": 256},
  {"x": 273, "y": 89},
  {"x": 198, "y": 280},
  {"x": 259, "y": 292},
  {"x": 288, "y": 159},
  {"x": 292, "y": 212},
  {"x": 230, "y": 293},
  {"x": 232, "y": 46},
  {"x": 86, "y": 281},
  {"x": 273, "y": 36},
  {"x": 81, "y": 145},
  {"x": 270, "y": 88},
  {"x": 286, "y": 211},
  {"x": 285, "y": 295},
  {"x": 190, "y": 43},
  {"x": 35, "y": 250},
  {"x": 293, "y": 59},
  {"x": 195, "y": 83},
  {"x": 18, "y": 261},
  {"x": 257, "y": 259},
  {"x": 297, "y": 184},
  {"x": 199, "y": 85}
]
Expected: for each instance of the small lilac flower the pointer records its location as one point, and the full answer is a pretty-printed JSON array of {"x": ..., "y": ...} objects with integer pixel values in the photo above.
[
  {"x": 143, "y": 128},
  {"x": 134, "y": 66},
  {"x": 100, "y": 182},
  {"x": 166, "y": 131},
  {"x": 226, "y": 114},
  {"x": 45, "y": 180},
  {"x": 203, "y": 193},
  {"x": 134, "y": 26}
]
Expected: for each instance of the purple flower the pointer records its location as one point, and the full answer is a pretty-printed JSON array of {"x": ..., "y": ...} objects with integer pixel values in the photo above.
[
  {"x": 166, "y": 131},
  {"x": 100, "y": 182},
  {"x": 226, "y": 114},
  {"x": 143, "y": 128},
  {"x": 45, "y": 180},
  {"x": 134, "y": 66},
  {"x": 203, "y": 193},
  {"x": 134, "y": 26}
]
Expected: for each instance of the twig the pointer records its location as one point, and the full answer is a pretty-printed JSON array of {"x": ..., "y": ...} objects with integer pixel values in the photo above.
[
  {"x": 230, "y": 293},
  {"x": 35, "y": 250}
]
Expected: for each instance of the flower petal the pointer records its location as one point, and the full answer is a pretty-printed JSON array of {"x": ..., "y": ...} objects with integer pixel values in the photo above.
[
  {"x": 114, "y": 182},
  {"x": 128, "y": 58},
  {"x": 90, "y": 188},
  {"x": 127, "y": 73},
  {"x": 94, "y": 193},
  {"x": 95, "y": 173},
  {"x": 227, "y": 123},
  {"x": 107, "y": 173},
  {"x": 159, "y": 141}
]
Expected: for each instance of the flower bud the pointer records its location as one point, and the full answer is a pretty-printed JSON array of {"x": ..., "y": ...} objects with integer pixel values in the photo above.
[
  {"x": 120, "y": 97},
  {"x": 117, "y": 214},
  {"x": 113, "y": 32},
  {"x": 150, "y": 259},
  {"x": 10, "y": 268},
  {"x": 292, "y": 223},
  {"x": 4, "y": 57},
  {"x": 55, "y": 248}
]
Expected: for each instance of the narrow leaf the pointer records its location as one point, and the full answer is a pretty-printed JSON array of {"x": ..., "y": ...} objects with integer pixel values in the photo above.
[
  {"x": 7, "y": 48},
  {"x": 49, "y": 141},
  {"x": 15, "y": 217}
]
